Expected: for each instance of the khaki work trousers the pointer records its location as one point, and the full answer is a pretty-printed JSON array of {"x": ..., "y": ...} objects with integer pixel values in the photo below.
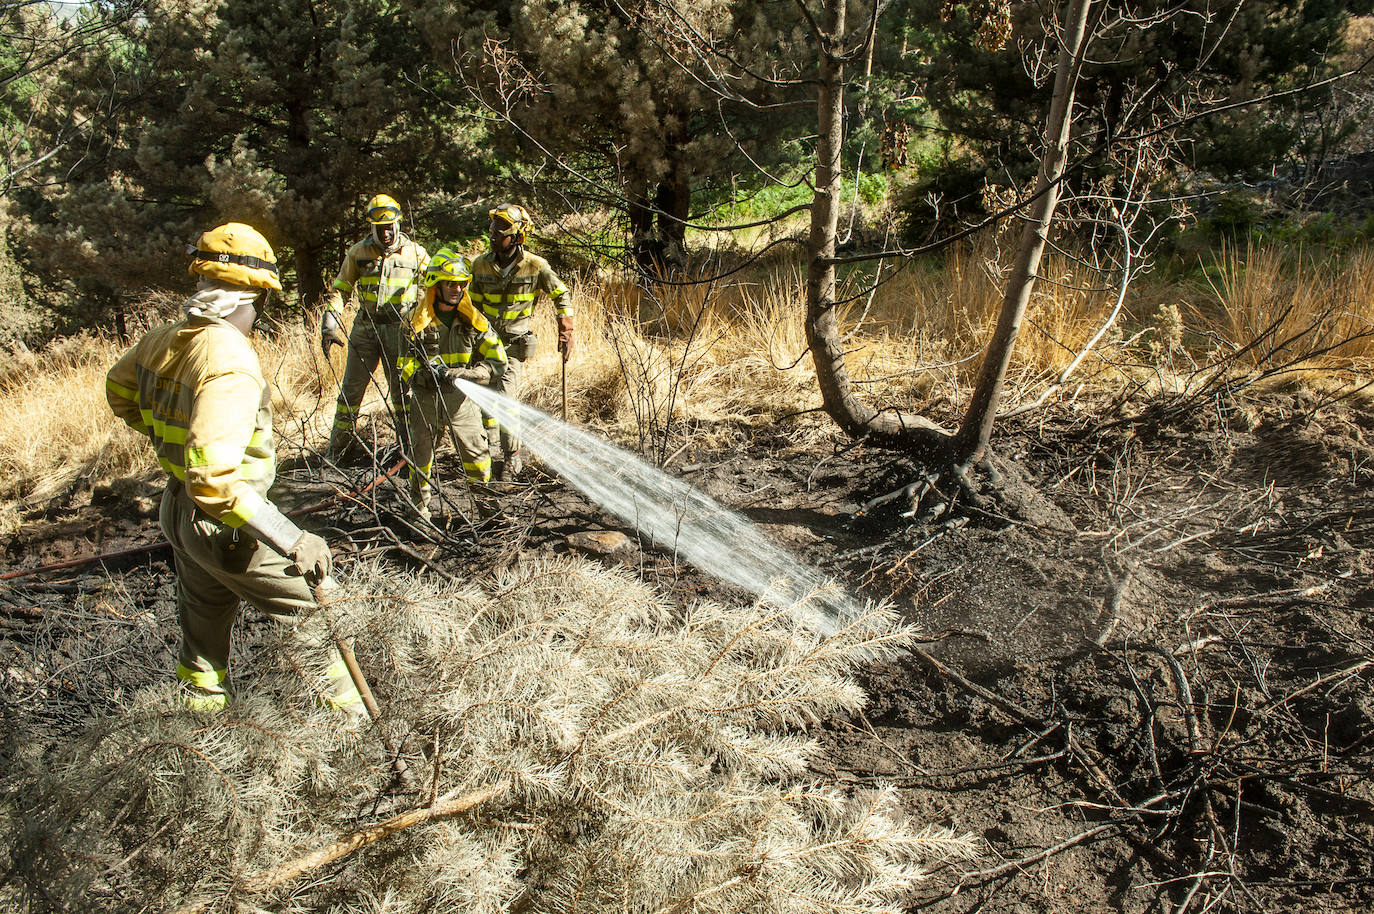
[
  {"x": 217, "y": 568},
  {"x": 440, "y": 410},
  {"x": 519, "y": 347},
  {"x": 370, "y": 343}
]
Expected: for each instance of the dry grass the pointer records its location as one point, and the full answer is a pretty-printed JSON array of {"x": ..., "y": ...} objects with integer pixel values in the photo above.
[
  {"x": 733, "y": 352},
  {"x": 60, "y": 435},
  {"x": 1287, "y": 315},
  {"x": 58, "y": 428}
]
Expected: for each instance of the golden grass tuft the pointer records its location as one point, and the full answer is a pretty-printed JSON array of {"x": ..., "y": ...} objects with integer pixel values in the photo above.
[
  {"x": 1290, "y": 314},
  {"x": 58, "y": 428}
]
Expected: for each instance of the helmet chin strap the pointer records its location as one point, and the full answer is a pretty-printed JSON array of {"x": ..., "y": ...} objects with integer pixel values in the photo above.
[{"x": 510, "y": 257}]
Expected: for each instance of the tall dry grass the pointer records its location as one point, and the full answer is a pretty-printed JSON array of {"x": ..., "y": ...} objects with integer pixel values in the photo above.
[
  {"x": 657, "y": 368},
  {"x": 1272, "y": 313},
  {"x": 60, "y": 436}
]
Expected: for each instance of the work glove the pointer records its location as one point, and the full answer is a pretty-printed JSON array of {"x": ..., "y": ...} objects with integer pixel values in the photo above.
[
  {"x": 310, "y": 558},
  {"x": 436, "y": 375},
  {"x": 565, "y": 336},
  {"x": 472, "y": 375},
  {"x": 331, "y": 332}
]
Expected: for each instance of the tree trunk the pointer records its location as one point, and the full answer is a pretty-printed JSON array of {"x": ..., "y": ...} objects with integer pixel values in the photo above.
[
  {"x": 972, "y": 441},
  {"x": 856, "y": 418},
  {"x": 674, "y": 208},
  {"x": 310, "y": 278},
  {"x": 645, "y": 246}
]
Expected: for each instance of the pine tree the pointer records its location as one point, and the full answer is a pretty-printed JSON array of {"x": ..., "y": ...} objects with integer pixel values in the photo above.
[
  {"x": 601, "y": 101},
  {"x": 287, "y": 116}
]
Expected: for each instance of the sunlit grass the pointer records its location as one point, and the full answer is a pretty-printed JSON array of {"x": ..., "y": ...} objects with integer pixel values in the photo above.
[{"x": 651, "y": 363}]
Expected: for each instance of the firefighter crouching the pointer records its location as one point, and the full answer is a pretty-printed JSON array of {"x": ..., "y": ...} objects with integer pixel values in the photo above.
[
  {"x": 196, "y": 390},
  {"x": 506, "y": 283},
  {"x": 384, "y": 269},
  {"x": 453, "y": 341}
]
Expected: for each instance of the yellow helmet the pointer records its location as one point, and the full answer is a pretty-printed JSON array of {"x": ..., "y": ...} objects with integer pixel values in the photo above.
[
  {"x": 383, "y": 210},
  {"x": 236, "y": 253},
  {"x": 509, "y": 219},
  {"x": 447, "y": 265}
]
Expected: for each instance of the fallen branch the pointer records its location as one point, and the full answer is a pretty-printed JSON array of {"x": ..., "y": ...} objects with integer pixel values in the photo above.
[
  {"x": 359, "y": 839},
  {"x": 1004, "y": 869},
  {"x": 1339, "y": 674}
]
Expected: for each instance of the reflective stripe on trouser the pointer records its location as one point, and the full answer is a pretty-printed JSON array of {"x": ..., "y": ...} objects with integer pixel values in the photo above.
[
  {"x": 215, "y": 572},
  {"x": 420, "y": 487},
  {"x": 464, "y": 421},
  {"x": 369, "y": 344},
  {"x": 506, "y": 437}
]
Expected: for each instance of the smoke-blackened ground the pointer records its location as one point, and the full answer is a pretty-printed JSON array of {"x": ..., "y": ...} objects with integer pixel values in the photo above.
[{"x": 1149, "y": 691}]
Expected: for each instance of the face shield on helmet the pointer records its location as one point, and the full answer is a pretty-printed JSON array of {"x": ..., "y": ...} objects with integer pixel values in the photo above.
[
  {"x": 385, "y": 215},
  {"x": 506, "y": 220},
  {"x": 383, "y": 210},
  {"x": 448, "y": 266}
]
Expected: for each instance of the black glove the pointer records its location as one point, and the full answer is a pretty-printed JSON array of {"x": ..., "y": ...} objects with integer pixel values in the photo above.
[
  {"x": 434, "y": 373},
  {"x": 331, "y": 333}
]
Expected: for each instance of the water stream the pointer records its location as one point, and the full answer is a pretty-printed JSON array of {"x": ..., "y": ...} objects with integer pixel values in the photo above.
[{"x": 674, "y": 515}]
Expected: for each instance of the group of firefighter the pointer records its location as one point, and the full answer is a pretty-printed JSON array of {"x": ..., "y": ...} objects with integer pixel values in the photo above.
[{"x": 196, "y": 390}]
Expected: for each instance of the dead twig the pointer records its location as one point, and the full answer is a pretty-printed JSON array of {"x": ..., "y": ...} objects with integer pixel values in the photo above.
[
  {"x": 1339, "y": 674},
  {"x": 349, "y": 844},
  {"x": 1014, "y": 865}
]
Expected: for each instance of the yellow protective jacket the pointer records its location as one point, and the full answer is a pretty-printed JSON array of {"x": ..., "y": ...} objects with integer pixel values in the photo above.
[
  {"x": 465, "y": 342},
  {"x": 196, "y": 390},
  {"x": 388, "y": 285},
  {"x": 507, "y": 296}
]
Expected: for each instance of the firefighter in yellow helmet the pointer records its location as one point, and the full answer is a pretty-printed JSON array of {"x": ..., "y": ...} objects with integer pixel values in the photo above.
[
  {"x": 506, "y": 283},
  {"x": 385, "y": 270},
  {"x": 453, "y": 342},
  {"x": 195, "y": 388}
]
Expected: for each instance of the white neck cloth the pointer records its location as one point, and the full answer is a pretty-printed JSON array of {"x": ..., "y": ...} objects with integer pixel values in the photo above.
[{"x": 215, "y": 298}]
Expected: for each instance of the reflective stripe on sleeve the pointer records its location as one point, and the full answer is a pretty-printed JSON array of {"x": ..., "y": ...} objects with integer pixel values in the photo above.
[
  {"x": 220, "y": 454},
  {"x": 248, "y": 506},
  {"x": 121, "y": 391}
]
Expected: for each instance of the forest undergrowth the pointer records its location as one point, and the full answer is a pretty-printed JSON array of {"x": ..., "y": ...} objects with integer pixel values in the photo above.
[{"x": 649, "y": 358}]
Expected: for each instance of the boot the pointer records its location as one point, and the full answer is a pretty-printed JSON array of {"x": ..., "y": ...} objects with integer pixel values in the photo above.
[
  {"x": 343, "y": 445},
  {"x": 419, "y": 502},
  {"x": 510, "y": 467}
]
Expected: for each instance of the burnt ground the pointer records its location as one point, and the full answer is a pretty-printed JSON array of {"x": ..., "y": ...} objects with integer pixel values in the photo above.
[{"x": 1147, "y": 680}]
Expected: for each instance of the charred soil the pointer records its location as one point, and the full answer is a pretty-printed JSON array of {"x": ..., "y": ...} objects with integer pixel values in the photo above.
[{"x": 1145, "y": 688}]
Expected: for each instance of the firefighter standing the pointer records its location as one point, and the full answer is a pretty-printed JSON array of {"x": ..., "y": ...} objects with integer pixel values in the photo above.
[
  {"x": 385, "y": 270},
  {"x": 506, "y": 284},
  {"x": 453, "y": 342},
  {"x": 196, "y": 390}
]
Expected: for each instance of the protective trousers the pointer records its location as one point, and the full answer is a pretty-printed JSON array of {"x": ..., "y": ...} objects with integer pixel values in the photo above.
[
  {"x": 370, "y": 342},
  {"x": 217, "y": 567},
  {"x": 439, "y": 410},
  {"x": 519, "y": 347}
]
